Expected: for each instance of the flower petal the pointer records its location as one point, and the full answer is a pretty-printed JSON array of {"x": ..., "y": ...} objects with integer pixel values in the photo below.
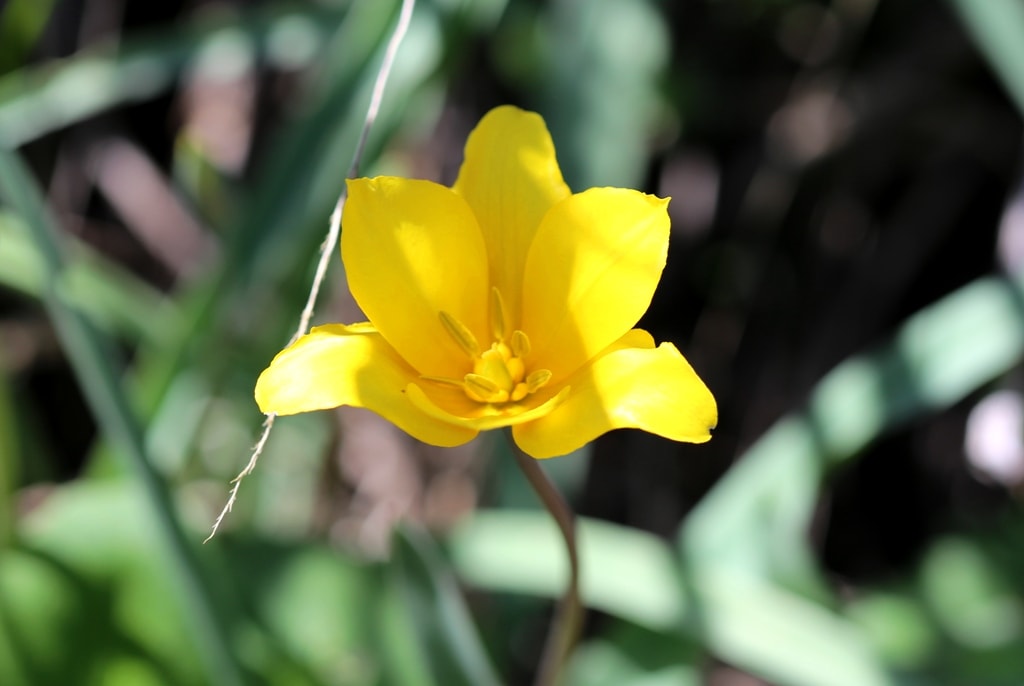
[
  {"x": 337, "y": 365},
  {"x": 590, "y": 275},
  {"x": 412, "y": 249},
  {"x": 510, "y": 178},
  {"x": 654, "y": 389},
  {"x": 448, "y": 407}
]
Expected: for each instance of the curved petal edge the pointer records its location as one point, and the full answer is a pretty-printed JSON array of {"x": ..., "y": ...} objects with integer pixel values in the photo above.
[
  {"x": 591, "y": 273},
  {"x": 653, "y": 389},
  {"x": 336, "y": 365},
  {"x": 510, "y": 177},
  {"x": 484, "y": 421},
  {"x": 402, "y": 241}
]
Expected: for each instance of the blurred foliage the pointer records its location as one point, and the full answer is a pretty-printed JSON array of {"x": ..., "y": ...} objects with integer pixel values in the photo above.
[{"x": 846, "y": 273}]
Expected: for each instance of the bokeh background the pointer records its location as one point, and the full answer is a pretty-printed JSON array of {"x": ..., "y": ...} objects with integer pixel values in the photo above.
[{"x": 845, "y": 273}]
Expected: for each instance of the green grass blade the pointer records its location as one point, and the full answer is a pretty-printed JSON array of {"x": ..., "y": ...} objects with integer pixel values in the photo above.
[
  {"x": 446, "y": 631},
  {"x": 405, "y": 662},
  {"x": 37, "y": 100},
  {"x": 90, "y": 357},
  {"x": 110, "y": 296},
  {"x": 272, "y": 244}
]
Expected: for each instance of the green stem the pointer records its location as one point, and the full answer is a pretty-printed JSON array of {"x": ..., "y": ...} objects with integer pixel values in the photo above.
[{"x": 568, "y": 619}]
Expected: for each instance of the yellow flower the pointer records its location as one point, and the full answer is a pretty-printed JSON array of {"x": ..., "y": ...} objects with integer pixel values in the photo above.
[{"x": 505, "y": 300}]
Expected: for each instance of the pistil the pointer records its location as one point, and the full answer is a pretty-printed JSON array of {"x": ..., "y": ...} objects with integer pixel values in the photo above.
[{"x": 498, "y": 374}]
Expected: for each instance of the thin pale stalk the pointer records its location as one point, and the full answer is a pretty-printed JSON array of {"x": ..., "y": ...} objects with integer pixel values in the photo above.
[
  {"x": 330, "y": 242},
  {"x": 568, "y": 619}
]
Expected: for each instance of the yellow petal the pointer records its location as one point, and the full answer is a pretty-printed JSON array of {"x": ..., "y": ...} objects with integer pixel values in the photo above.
[
  {"x": 412, "y": 249},
  {"x": 510, "y": 178},
  {"x": 590, "y": 275},
  {"x": 642, "y": 388},
  {"x": 452, "y": 406},
  {"x": 337, "y": 365}
]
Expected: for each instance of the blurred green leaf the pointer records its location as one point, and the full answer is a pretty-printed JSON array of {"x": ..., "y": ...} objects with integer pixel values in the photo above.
[
  {"x": 117, "y": 596},
  {"x": 753, "y": 523},
  {"x": 602, "y": 98},
  {"x": 757, "y": 515},
  {"x": 777, "y": 634},
  {"x": 628, "y": 654},
  {"x": 315, "y": 606},
  {"x": 960, "y": 619},
  {"x": 92, "y": 361},
  {"x": 405, "y": 662},
  {"x": 21, "y": 24},
  {"x": 40, "y": 614},
  {"x": 600, "y": 663},
  {"x": 625, "y": 572},
  {"x": 897, "y": 627},
  {"x": 969, "y": 600},
  {"x": 110, "y": 296},
  {"x": 997, "y": 26},
  {"x": 446, "y": 631},
  {"x": 37, "y": 100},
  {"x": 310, "y": 606},
  {"x": 746, "y": 621}
]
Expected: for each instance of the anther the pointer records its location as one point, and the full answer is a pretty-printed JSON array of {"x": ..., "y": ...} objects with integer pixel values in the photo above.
[
  {"x": 484, "y": 390},
  {"x": 463, "y": 336},
  {"x": 520, "y": 344},
  {"x": 537, "y": 379}
]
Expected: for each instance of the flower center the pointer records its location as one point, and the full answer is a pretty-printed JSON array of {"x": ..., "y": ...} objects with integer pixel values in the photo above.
[{"x": 499, "y": 373}]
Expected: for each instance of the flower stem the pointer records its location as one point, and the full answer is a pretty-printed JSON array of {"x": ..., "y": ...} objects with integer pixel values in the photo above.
[{"x": 567, "y": 622}]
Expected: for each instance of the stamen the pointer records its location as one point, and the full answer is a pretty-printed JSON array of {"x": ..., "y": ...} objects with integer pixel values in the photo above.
[
  {"x": 446, "y": 380},
  {"x": 498, "y": 373},
  {"x": 537, "y": 379},
  {"x": 483, "y": 389},
  {"x": 499, "y": 318},
  {"x": 520, "y": 344},
  {"x": 463, "y": 336}
]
